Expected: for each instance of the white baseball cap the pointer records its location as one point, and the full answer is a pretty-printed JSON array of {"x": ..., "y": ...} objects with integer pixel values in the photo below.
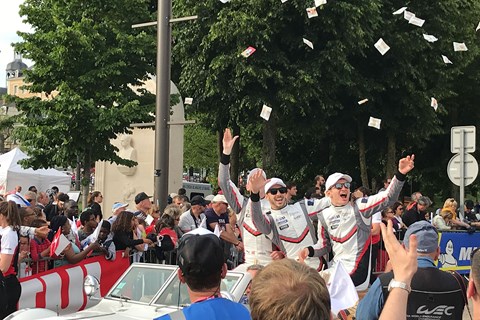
[
  {"x": 273, "y": 182},
  {"x": 118, "y": 205},
  {"x": 220, "y": 198},
  {"x": 333, "y": 178}
]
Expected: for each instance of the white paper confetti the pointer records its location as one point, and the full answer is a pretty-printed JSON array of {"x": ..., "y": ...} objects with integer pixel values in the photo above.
[
  {"x": 308, "y": 43},
  {"x": 266, "y": 111},
  {"x": 312, "y": 12},
  {"x": 319, "y": 3},
  {"x": 363, "y": 101},
  {"x": 478, "y": 27},
  {"x": 224, "y": 1},
  {"x": 446, "y": 60},
  {"x": 400, "y": 11},
  {"x": 429, "y": 37},
  {"x": 374, "y": 122},
  {"x": 416, "y": 21},
  {"x": 459, "y": 46},
  {"x": 381, "y": 46},
  {"x": 248, "y": 52},
  {"x": 188, "y": 101},
  {"x": 407, "y": 15},
  {"x": 283, "y": 1},
  {"x": 434, "y": 103}
]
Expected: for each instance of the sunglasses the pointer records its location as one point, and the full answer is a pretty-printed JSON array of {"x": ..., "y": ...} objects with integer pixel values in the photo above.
[
  {"x": 274, "y": 191},
  {"x": 341, "y": 185},
  {"x": 401, "y": 208}
]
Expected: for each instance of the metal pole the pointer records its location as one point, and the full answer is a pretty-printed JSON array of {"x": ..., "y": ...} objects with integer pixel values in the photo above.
[
  {"x": 462, "y": 172},
  {"x": 162, "y": 113}
]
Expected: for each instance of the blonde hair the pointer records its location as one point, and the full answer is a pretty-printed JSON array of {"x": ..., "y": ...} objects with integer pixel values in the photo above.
[
  {"x": 445, "y": 214},
  {"x": 299, "y": 293},
  {"x": 172, "y": 210},
  {"x": 450, "y": 203}
]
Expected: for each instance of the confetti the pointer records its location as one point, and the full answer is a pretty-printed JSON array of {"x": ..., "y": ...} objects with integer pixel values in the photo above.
[
  {"x": 381, "y": 46},
  {"x": 478, "y": 27},
  {"x": 283, "y": 1},
  {"x": 434, "y": 103},
  {"x": 416, "y": 21},
  {"x": 308, "y": 43},
  {"x": 374, "y": 122},
  {"x": 248, "y": 52},
  {"x": 429, "y": 37},
  {"x": 224, "y": 1},
  {"x": 188, "y": 100},
  {"x": 319, "y": 3},
  {"x": 266, "y": 111},
  {"x": 407, "y": 15},
  {"x": 459, "y": 46},
  {"x": 312, "y": 12},
  {"x": 400, "y": 11},
  {"x": 363, "y": 101},
  {"x": 446, "y": 60}
]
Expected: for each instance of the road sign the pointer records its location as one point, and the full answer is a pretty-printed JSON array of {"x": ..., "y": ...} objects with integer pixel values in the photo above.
[
  {"x": 468, "y": 135},
  {"x": 470, "y": 167}
]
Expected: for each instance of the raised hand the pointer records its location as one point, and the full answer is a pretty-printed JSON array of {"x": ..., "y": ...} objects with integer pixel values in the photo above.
[
  {"x": 257, "y": 181},
  {"x": 228, "y": 142},
  {"x": 406, "y": 164}
]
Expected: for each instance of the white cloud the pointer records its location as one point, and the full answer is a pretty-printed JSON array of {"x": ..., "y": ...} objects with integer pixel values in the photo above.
[{"x": 11, "y": 23}]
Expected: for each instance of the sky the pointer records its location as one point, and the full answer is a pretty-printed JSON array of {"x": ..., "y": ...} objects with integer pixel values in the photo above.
[{"x": 10, "y": 23}]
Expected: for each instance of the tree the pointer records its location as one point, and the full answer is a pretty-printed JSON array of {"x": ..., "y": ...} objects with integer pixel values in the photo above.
[{"x": 86, "y": 57}]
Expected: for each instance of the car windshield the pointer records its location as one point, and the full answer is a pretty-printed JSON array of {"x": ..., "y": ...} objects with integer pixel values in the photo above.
[
  {"x": 141, "y": 284},
  {"x": 175, "y": 292}
]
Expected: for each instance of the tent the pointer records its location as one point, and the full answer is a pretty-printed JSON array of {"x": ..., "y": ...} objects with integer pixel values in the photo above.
[{"x": 12, "y": 174}]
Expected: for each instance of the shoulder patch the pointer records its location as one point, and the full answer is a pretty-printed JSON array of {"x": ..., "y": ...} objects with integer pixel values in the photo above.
[{"x": 364, "y": 200}]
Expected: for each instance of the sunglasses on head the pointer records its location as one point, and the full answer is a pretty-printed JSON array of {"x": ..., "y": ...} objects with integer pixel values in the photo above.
[
  {"x": 274, "y": 191},
  {"x": 341, "y": 185}
]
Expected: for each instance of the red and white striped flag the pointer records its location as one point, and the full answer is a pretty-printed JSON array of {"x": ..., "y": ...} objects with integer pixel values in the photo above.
[{"x": 59, "y": 243}]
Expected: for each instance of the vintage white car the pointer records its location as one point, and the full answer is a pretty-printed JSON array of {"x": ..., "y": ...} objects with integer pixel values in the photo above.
[{"x": 144, "y": 291}]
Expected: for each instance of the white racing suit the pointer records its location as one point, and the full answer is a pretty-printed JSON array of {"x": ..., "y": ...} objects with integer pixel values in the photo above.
[{"x": 347, "y": 230}]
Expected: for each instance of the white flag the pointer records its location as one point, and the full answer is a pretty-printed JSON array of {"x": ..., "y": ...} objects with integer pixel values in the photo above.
[
  {"x": 374, "y": 122},
  {"x": 381, "y": 46},
  {"x": 308, "y": 43},
  {"x": 446, "y": 60},
  {"x": 434, "y": 103},
  {"x": 73, "y": 225},
  {"x": 342, "y": 291},
  {"x": 400, "y": 11},
  {"x": 93, "y": 237},
  {"x": 363, "y": 101},
  {"x": 459, "y": 46},
  {"x": 266, "y": 111},
  {"x": 429, "y": 37}
]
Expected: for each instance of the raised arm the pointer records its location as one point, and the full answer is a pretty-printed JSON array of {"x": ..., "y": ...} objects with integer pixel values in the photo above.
[{"x": 257, "y": 181}]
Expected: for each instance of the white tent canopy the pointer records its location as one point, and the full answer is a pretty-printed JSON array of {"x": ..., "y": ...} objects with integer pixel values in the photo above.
[{"x": 12, "y": 174}]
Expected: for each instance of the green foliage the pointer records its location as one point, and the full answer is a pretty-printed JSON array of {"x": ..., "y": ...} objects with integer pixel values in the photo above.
[{"x": 199, "y": 149}]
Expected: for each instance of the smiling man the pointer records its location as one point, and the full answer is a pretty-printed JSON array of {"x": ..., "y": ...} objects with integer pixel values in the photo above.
[{"x": 344, "y": 227}]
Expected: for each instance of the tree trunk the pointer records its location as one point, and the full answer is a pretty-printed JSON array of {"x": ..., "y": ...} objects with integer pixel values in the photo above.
[
  {"x": 391, "y": 154},
  {"x": 268, "y": 150},
  {"x": 2, "y": 143},
  {"x": 78, "y": 179},
  {"x": 362, "y": 157},
  {"x": 235, "y": 157},
  {"x": 86, "y": 179}
]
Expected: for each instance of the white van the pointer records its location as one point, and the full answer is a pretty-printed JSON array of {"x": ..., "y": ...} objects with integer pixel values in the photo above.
[{"x": 197, "y": 188}]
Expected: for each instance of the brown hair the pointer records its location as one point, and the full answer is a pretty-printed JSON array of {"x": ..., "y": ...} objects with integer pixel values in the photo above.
[
  {"x": 9, "y": 209},
  {"x": 301, "y": 293},
  {"x": 92, "y": 197},
  {"x": 445, "y": 214},
  {"x": 123, "y": 222}
]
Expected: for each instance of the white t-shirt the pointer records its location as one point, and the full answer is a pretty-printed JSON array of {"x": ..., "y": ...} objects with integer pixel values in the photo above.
[
  {"x": 187, "y": 222},
  {"x": 377, "y": 217},
  {"x": 9, "y": 240}
]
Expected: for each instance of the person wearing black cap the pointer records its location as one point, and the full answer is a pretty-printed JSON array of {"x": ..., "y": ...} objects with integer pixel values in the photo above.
[
  {"x": 143, "y": 204},
  {"x": 191, "y": 219},
  {"x": 431, "y": 292},
  {"x": 202, "y": 268}
]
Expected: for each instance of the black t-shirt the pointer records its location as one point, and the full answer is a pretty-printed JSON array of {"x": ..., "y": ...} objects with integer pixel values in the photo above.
[{"x": 212, "y": 217}]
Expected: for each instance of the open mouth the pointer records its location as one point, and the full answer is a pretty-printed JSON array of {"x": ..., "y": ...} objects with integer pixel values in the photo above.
[{"x": 344, "y": 195}]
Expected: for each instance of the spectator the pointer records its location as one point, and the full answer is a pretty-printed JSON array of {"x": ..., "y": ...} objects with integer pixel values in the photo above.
[
  {"x": 191, "y": 219},
  {"x": 165, "y": 227},
  {"x": 444, "y": 221},
  {"x": 320, "y": 184},
  {"x": 57, "y": 206},
  {"x": 27, "y": 215},
  {"x": 9, "y": 225},
  {"x": 25, "y": 264},
  {"x": 94, "y": 200},
  {"x": 33, "y": 189},
  {"x": 39, "y": 249},
  {"x": 430, "y": 287},
  {"x": 31, "y": 197},
  {"x": 89, "y": 223},
  {"x": 143, "y": 204},
  {"x": 398, "y": 210},
  {"x": 39, "y": 214},
  {"x": 105, "y": 239},
  {"x": 116, "y": 209},
  {"x": 301, "y": 293},
  {"x": 71, "y": 209},
  {"x": 124, "y": 233},
  {"x": 414, "y": 197},
  {"x": 183, "y": 192},
  {"x": 202, "y": 268},
  {"x": 208, "y": 201},
  {"x": 469, "y": 212},
  {"x": 417, "y": 211},
  {"x": 291, "y": 191},
  {"x": 451, "y": 205},
  {"x": 42, "y": 200},
  {"x": 386, "y": 183},
  {"x": 175, "y": 212},
  {"x": 152, "y": 217},
  {"x": 179, "y": 200}
]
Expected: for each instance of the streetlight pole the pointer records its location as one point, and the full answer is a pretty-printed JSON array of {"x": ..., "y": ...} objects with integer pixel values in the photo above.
[{"x": 162, "y": 103}]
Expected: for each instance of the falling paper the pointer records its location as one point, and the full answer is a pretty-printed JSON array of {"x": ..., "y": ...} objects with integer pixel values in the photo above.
[
  {"x": 434, "y": 103},
  {"x": 374, "y": 122},
  {"x": 266, "y": 111},
  {"x": 308, "y": 43},
  {"x": 248, "y": 52},
  {"x": 429, "y": 37},
  {"x": 446, "y": 60},
  {"x": 312, "y": 12},
  {"x": 459, "y": 46},
  {"x": 478, "y": 27},
  {"x": 416, "y": 21},
  {"x": 407, "y": 15},
  {"x": 188, "y": 100},
  {"x": 224, "y": 1},
  {"x": 400, "y": 11},
  {"x": 363, "y": 101},
  {"x": 381, "y": 46},
  {"x": 319, "y": 3},
  {"x": 283, "y": 1}
]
